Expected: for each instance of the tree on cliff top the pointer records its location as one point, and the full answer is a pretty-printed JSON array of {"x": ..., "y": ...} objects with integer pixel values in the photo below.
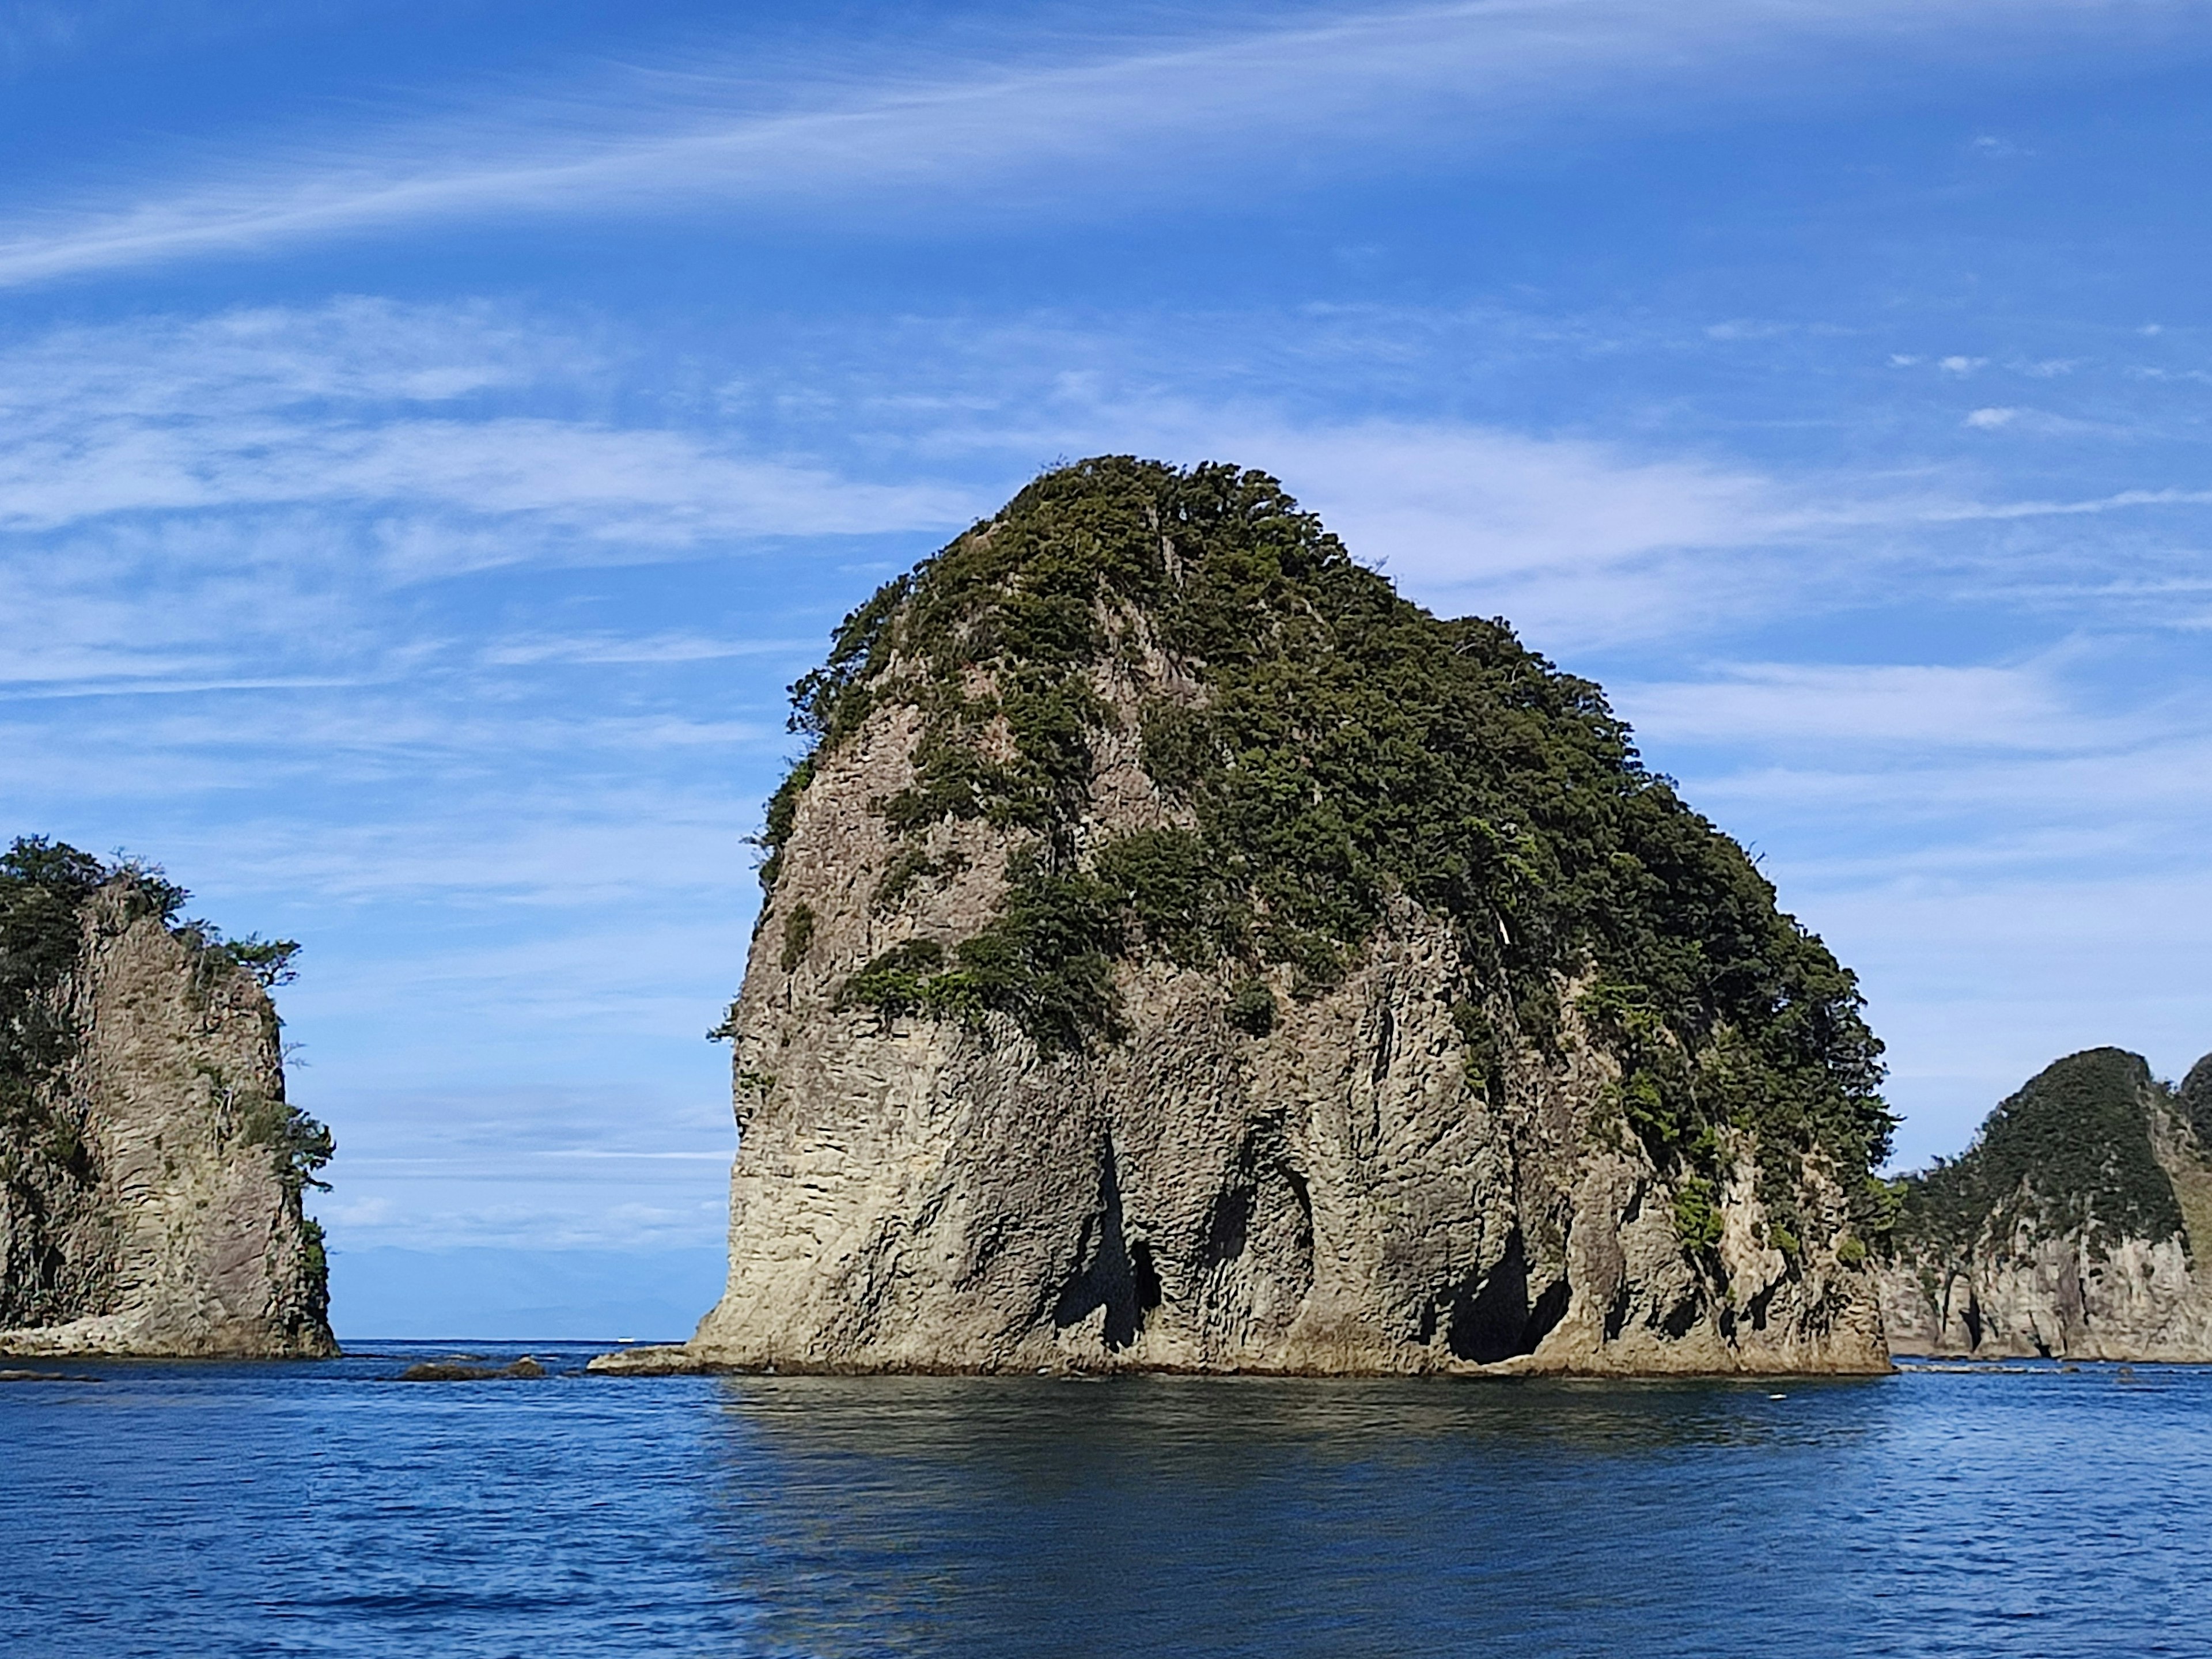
[{"x": 1344, "y": 748}]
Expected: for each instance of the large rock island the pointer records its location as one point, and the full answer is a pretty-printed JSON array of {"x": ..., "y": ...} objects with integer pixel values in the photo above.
[
  {"x": 2072, "y": 1228},
  {"x": 150, "y": 1167},
  {"x": 1180, "y": 951}
]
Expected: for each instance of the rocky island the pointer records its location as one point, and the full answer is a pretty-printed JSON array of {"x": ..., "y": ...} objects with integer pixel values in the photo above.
[
  {"x": 1180, "y": 951},
  {"x": 2071, "y": 1229},
  {"x": 150, "y": 1167}
]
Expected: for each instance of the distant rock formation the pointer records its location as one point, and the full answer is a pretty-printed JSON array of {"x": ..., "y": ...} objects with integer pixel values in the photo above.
[
  {"x": 2072, "y": 1228},
  {"x": 1183, "y": 952},
  {"x": 150, "y": 1168}
]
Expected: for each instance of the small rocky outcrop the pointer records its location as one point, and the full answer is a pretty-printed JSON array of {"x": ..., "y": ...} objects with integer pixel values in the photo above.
[
  {"x": 1180, "y": 951},
  {"x": 2072, "y": 1228},
  {"x": 150, "y": 1168}
]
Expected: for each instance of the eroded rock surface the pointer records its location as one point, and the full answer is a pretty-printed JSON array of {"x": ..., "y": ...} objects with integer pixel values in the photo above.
[
  {"x": 2071, "y": 1228},
  {"x": 153, "y": 1169},
  {"x": 1210, "y": 1143}
]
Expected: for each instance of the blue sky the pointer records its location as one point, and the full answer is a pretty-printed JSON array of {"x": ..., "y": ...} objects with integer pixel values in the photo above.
[{"x": 432, "y": 437}]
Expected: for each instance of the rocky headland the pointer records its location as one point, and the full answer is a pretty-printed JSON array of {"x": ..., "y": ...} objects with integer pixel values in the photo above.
[
  {"x": 2072, "y": 1228},
  {"x": 150, "y": 1167},
  {"x": 1180, "y": 952}
]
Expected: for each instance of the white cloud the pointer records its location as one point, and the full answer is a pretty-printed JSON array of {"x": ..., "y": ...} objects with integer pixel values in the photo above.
[
  {"x": 373, "y": 406},
  {"x": 1938, "y": 511},
  {"x": 1575, "y": 540},
  {"x": 1988, "y": 420},
  {"x": 1744, "y": 329},
  {"x": 1926, "y": 708},
  {"x": 1334, "y": 88},
  {"x": 613, "y": 648},
  {"x": 1956, "y": 365}
]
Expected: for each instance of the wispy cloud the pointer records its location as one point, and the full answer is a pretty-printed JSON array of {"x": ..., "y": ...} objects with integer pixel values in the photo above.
[
  {"x": 405, "y": 412},
  {"x": 1338, "y": 88},
  {"x": 611, "y": 648},
  {"x": 1926, "y": 708}
]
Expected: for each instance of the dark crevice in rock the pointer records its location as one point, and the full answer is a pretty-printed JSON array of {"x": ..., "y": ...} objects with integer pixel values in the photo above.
[
  {"x": 1228, "y": 1225},
  {"x": 1494, "y": 1319},
  {"x": 1144, "y": 1277},
  {"x": 1616, "y": 1316},
  {"x": 1549, "y": 1310},
  {"x": 1759, "y": 1304},
  {"x": 1115, "y": 1276}
]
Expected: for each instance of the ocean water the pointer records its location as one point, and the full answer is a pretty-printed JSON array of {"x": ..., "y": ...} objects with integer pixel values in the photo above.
[{"x": 184, "y": 1509}]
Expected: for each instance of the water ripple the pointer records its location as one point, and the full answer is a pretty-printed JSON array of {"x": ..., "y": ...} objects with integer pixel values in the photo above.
[{"x": 328, "y": 1509}]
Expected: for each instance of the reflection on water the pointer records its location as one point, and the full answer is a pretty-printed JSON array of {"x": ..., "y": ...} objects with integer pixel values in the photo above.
[{"x": 328, "y": 1509}]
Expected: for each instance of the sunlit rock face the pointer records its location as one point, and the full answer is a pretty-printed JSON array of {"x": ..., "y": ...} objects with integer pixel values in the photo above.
[
  {"x": 2071, "y": 1228},
  {"x": 151, "y": 1168},
  {"x": 1181, "y": 952}
]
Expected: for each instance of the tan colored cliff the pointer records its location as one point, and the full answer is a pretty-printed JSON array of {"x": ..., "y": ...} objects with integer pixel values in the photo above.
[
  {"x": 912, "y": 1195},
  {"x": 168, "y": 1220},
  {"x": 1335, "y": 1194},
  {"x": 2086, "y": 1244}
]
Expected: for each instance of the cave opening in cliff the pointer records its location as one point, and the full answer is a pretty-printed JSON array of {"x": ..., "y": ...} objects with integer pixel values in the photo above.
[
  {"x": 1114, "y": 1272},
  {"x": 1497, "y": 1320}
]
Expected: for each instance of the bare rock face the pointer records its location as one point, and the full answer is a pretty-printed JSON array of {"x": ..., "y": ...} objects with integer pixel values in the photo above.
[
  {"x": 2071, "y": 1229},
  {"x": 1180, "y": 953},
  {"x": 151, "y": 1168}
]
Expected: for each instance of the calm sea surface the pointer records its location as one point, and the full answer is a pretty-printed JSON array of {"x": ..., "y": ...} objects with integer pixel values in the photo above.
[{"x": 328, "y": 1509}]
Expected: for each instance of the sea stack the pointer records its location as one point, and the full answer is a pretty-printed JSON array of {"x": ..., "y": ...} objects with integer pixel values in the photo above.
[
  {"x": 150, "y": 1167},
  {"x": 2072, "y": 1228},
  {"x": 1183, "y": 952}
]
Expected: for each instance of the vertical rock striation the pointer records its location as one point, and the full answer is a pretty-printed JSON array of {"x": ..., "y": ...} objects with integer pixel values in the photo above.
[
  {"x": 150, "y": 1167},
  {"x": 2071, "y": 1229},
  {"x": 1180, "y": 951}
]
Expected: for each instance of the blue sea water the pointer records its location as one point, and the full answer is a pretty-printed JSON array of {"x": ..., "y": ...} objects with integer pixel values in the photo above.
[{"x": 243, "y": 1509}]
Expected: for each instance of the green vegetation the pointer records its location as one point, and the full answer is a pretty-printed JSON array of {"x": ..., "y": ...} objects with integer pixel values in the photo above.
[
  {"x": 1047, "y": 960},
  {"x": 267, "y": 960},
  {"x": 1331, "y": 748},
  {"x": 1252, "y": 1007},
  {"x": 300, "y": 1145},
  {"x": 2069, "y": 1153},
  {"x": 798, "y": 935},
  {"x": 44, "y": 888},
  {"x": 2195, "y": 1099},
  {"x": 1698, "y": 1214},
  {"x": 898, "y": 982}
]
